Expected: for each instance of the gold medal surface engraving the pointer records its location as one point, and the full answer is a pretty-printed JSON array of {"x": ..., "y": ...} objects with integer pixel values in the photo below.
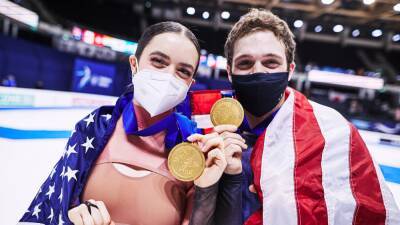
[
  {"x": 227, "y": 111},
  {"x": 186, "y": 161}
]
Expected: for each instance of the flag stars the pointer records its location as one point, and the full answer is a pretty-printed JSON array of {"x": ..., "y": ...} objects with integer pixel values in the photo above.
[
  {"x": 71, "y": 150},
  {"x": 88, "y": 144},
  {"x": 71, "y": 173},
  {"x": 63, "y": 172},
  {"x": 39, "y": 192},
  {"x": 51, "y": 215},
  {"x": 60, "y": 220},
  {"x": 90, "y": 119},
  {"x": 37, "y": 210},
  {"x": 60, "y": 197},
  {"x": 50, "y": 191},
  {"x": 107, "y": 116},
  {"x": 52, "y": 172}
]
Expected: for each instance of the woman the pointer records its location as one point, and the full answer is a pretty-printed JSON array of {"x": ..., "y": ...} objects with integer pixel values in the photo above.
[{"x": 114, "y": 170}]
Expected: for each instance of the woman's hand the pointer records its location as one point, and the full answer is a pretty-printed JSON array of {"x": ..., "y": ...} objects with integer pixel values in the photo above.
[
  {"x": 234, "y": 144},
  {"x": 213, "y": 145},
  {"x": 99, "y": 216}
]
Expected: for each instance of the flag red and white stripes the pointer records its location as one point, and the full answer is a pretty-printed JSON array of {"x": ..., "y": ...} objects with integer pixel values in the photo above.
[{"x": 312, "y": 167}]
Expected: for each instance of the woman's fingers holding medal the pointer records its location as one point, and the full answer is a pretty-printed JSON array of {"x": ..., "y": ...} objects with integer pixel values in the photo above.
[
  {"x": 216, "y": 159},
  {"x": 91, "y": 212},
  {"x": 207, "y": 142},
  {"x": 215, "y": 166},
  {"x": 213, "y": 145}
]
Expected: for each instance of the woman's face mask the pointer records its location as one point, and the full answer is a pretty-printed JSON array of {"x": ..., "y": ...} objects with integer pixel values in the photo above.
[
  {"x": 167, "y": 66},
  {"x": 158, "y": 92}
]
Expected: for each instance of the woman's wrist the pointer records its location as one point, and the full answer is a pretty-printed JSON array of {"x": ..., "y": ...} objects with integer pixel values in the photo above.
[{"x": 205, "y": 187}]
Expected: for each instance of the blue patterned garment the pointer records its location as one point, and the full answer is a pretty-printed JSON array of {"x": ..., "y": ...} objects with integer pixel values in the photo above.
[{"x": 62, "y": 189}]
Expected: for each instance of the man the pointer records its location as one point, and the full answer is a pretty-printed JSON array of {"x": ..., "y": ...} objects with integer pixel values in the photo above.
[{"x": 305, "y": 162}]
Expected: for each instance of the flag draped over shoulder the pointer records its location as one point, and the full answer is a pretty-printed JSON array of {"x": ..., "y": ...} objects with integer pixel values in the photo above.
[
  {"x": 311, "y": 166},
  {"x": 62, "y": 189}
]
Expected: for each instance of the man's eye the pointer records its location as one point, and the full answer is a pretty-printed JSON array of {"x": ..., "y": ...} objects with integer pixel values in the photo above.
[
  {"x": 271, "y": 63},
  {"x": 244, "y": 64}
]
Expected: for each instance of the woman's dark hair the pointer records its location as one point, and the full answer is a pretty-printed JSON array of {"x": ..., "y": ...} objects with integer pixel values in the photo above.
[{"x": 165, "y": 27}]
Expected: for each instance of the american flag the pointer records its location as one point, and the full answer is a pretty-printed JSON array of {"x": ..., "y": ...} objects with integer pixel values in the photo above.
[
  {"x": 310, "y": 166},
  {"x": 62, "y": 188}
]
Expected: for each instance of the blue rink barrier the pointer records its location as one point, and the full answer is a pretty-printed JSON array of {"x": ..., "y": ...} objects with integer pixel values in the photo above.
[
  {"x": 12, "y": 133},
  {"x": 391, "y": 174}
]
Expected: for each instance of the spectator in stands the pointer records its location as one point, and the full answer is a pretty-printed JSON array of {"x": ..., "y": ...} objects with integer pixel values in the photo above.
[
  {"x": 39, "y": 84},
  {"x": 397, "y": 114},
  {"x": 355, "y": 108},
  {"x": 9, "y": 81}
]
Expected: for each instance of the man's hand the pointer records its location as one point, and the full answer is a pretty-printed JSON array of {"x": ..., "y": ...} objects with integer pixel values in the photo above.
[{"x": 234, "y": 145}]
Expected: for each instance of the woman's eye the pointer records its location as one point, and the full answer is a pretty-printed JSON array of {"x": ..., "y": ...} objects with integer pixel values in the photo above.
[
  {"x": 185, "y": 73},
  {"x": 158, "y": 62}
]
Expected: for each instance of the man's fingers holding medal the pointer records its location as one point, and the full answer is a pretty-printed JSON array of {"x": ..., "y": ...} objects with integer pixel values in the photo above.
[
  {"x": 225, "y": 127},
  {"x": 227, "y": 132},
  {"x": 234, "y": 144}
]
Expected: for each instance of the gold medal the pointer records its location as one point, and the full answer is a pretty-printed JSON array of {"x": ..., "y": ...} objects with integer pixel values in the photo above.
[
  {"x": 227, "y": 111},
  {"x": 186, "y": 162}
]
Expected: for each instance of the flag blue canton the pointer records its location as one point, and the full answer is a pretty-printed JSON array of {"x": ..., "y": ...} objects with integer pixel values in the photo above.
[{"x": 62, "y": 188}]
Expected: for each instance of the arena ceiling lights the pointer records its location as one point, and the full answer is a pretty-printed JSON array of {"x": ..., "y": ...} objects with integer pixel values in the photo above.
[
  {"x": 368, "y": 23},
  {"x": 19, "y": 14},
  {"x": 348, "y": 80},
  {"x": 353, "y": 12}
]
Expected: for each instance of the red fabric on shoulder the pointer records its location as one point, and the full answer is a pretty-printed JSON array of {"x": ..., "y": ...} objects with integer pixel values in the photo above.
[{"x": 202, "y": 101}]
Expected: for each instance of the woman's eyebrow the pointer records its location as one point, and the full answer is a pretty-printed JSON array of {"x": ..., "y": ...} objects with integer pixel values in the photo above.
[{"x": 187, "y": 66}]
